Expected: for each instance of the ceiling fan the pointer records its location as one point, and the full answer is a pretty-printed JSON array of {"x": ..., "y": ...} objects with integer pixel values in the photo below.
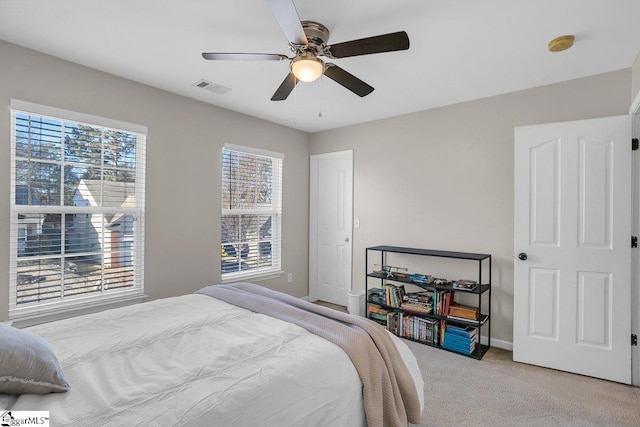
[{"x": 308, "y": 40}]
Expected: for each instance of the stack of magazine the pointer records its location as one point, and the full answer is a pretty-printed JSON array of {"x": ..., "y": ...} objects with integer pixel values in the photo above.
[
  {"x": 460, "y": 339},
  {"x": 418, "y": 302}
]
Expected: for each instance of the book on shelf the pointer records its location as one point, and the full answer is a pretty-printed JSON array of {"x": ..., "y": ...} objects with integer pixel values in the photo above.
[
  {"x": 459, "y": 343},
  {"x": 390, "y": 295},
  {"x": 392, "y": 319},
  {"x": 459, "y": 348},
  {"x": 468, "y": 285},
  {"x": 458, "y": 339},
  {"x": 465, "y": 331},
  {"x": 423, "y": 297},
  {"x": 416, "y": 308},
  {"x": 464, "y": 311},
  {"x": 418, "y": 302},
  {"x": 378, "y": 313},
  {"x": 413, "y": 327},
  {"x": 460, "y": 319},
  {"x": 423, "y": 279},
  {"x": 393, "y": 294},
  {"x": 442, "y": 301},
  {"x": 376, "y": 295},
  {"x": 448, "y": 300}
]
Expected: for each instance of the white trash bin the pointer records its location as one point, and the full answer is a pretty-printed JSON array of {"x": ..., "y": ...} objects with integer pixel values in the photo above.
[{"x": 355, "y": 304}]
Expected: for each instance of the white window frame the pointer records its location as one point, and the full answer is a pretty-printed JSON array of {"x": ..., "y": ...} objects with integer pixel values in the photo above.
[
  {"x": 275, "y": 270},
  {"x": 52, "y": 310}
]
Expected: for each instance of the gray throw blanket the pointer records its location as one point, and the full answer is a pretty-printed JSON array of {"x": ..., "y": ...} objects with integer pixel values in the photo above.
[{"x": 389, "y": 393}]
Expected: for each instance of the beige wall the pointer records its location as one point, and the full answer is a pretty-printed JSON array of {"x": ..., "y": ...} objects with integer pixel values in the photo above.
[
  {"x": 443, "y": 178},
  {"x": 635, "y": 78},
  {"x": 182, "y": 250}
]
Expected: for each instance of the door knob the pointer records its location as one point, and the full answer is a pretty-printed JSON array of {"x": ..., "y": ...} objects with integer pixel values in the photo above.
[
  {"x": 346, "y": 239},
  {"x": 522, "y": 256}
]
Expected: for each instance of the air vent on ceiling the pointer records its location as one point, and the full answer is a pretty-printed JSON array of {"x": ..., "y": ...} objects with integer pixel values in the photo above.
[{"x": 212, "y": 87}]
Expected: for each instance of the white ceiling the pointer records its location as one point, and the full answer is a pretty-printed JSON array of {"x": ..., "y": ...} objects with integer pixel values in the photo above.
[{"x": 460, "y": 49}]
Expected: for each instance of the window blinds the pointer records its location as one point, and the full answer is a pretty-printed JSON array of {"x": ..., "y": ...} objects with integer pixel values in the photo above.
[
  {"x": 77, "y": 208},
  {"x": 251, "y": 211}
]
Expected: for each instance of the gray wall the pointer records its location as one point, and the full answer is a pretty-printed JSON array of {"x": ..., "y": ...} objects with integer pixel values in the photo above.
[
  {"x": 635, "y": 78},
  {"x": 443, "y": 178},
  {"x": 182, "y": 249}
]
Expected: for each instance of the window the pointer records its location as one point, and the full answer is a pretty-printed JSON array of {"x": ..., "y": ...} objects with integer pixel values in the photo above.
[
  {"x": 77, "y": 210},
  {"x": 251, "y": 212}
]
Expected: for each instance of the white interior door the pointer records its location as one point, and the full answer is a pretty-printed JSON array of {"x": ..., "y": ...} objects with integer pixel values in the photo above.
[
  {"x": 331, "y": 200},
  {"x": 635, "y": 253},
  {"x": 573, "y": 247}
]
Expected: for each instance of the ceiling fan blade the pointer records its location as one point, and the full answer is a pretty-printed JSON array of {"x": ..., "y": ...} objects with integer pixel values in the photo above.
[
  {"x": 347, "y": 80},
  {"x": 287, "y": 16},
  {"x": 245, "y": 56},
  {"x": 377, "y": 44},
  {"x": 285, "y": 88}
]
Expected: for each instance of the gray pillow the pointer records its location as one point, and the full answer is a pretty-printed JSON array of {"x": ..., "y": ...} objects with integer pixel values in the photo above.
[{"x": 28, "y": 364}]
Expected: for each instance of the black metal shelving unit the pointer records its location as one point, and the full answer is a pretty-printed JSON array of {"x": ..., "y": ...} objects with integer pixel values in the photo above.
[{"x": 484, "y": 321}]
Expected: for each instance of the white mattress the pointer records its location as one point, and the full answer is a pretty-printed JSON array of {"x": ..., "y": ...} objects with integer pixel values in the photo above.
[{"x": 197, "y": 361}]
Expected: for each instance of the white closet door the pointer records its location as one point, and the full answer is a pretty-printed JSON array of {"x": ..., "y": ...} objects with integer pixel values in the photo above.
[{"x": 572, "y": 247}]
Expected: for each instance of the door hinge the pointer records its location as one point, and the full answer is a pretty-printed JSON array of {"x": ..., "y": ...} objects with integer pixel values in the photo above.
[
  {"x": 634, "y": 339},
  {"x": 634, "y": 242},
  {"x": 634, "y": 143}
]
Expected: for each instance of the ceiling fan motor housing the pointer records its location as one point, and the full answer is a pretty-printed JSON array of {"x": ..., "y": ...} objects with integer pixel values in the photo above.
[{"x": 317, "y": 36}]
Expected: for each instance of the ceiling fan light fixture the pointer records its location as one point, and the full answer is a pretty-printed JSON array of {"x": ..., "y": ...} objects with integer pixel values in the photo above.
[{"x": 307, "y": 68}]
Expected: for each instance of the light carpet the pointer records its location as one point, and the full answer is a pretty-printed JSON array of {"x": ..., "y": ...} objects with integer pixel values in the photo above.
[{"x": 496, "y": 391}]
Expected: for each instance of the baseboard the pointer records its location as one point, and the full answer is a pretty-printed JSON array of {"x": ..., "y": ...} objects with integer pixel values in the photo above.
[
  {"x": 305, "y": 298},
  {"x": 505, "y": 345}
]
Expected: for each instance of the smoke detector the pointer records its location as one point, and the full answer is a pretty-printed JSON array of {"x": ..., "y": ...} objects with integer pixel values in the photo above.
[
  {"x": 212, "y": 87},
  {"x": 561, "y": 43}
]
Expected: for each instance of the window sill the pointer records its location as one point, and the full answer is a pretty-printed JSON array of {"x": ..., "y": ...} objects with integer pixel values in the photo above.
[
  {"x": 30, "y": 316},
  {"x": 255, "y": 277}
]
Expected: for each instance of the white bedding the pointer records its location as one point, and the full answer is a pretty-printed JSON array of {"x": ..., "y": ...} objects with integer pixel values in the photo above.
[{"x": 197, "y": 361}]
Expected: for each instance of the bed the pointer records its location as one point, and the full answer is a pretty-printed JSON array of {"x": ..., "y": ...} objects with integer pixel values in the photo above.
[{"x": 199, "y": 361}]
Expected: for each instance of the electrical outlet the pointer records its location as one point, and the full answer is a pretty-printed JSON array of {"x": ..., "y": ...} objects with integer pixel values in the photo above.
[{"x": 290, "y": 277}]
